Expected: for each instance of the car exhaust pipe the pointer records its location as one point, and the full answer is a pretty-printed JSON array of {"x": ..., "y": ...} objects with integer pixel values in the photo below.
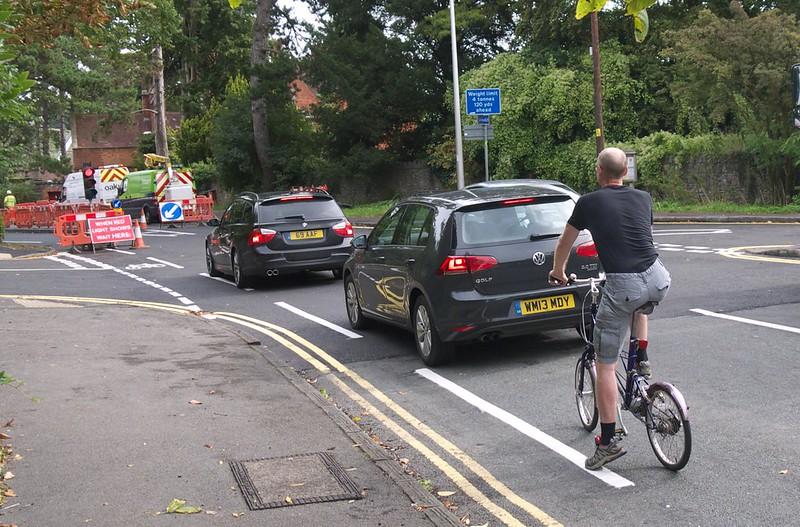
[
  {"x": 272, "y": 272},
  {"x": 490, "y": 337}
]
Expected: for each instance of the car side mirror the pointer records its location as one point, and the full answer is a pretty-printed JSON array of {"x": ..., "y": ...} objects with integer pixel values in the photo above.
[
  {"x": 359, "y": 242},
  {"x": 213, "y": 222}
]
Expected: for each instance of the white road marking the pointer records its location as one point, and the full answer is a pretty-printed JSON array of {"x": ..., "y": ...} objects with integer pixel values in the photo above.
[
  {"x": 218, "y": 279},
  {"x": 770, "y": 325},
  {"x": 321, "y": 321},
  {"x": 121, "y": 251},
  {"x": 55, "y": 270},
  {"x": 698, "y": 251},
  {"x": 176, "y": 266},
  {"x": 144, "y": 281},
  {"x": 670, "y": 249},
  {"x": 68, "y": 263},
  {"x": 696, "y": 247},
  {"x": 607, "y": 476},
  {"x": 690, "y": 232},
  {"x": 668, "y": 245},
  {"x": 20, "y": 241}
]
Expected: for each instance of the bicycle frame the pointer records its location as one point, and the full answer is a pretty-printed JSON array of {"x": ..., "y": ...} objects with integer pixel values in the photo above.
[{"x": 630, "y": 384}]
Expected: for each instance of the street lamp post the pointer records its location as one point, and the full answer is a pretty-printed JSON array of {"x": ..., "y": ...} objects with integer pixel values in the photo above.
[{"x": 456, "y": 99}]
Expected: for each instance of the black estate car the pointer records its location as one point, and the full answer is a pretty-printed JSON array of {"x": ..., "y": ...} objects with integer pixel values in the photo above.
[
  {"x": 262, "y": 235},
  {"x": 468, "y": 265}
]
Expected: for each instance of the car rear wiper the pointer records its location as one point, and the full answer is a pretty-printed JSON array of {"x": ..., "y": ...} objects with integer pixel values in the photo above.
[
  {"x": 535, "y": 237},
  {"x": 292, "y": 217}
]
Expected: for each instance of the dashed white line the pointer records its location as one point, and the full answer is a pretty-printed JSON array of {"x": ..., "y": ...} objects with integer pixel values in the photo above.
[
  {"x": 121, "y": 251},
  {"x": 604, "y": 474},
  {"x": 770, "y": 325},
  {"x": 176, "y": 266},
  {"x": 176, "y": 295},
  {"x": 68, "y": 263},
  {"x": 185, "y": 301},
  {"x": 668, "y": 245},
  {"x": 695, "y": 247},
  {"x": 670, "y": 249},
  {"x": 699, "y": 251},
  {"x": 222, "y": 280},
  {"x": 318, "y": 320}
]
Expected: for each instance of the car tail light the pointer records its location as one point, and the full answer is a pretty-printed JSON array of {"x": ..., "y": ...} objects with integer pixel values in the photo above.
[
  {"x": 343, "y": 229},
  {"x": 296, "y": 198},
  {"x": 587, "y": 249},
  {"x": 518, "y": 201},
  {"x": 466, "y": 264},
  {"x": 260, "y": 237}
]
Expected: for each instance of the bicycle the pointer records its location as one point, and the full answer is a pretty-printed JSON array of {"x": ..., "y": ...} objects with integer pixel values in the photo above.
[{"x": 658, "y": 405}]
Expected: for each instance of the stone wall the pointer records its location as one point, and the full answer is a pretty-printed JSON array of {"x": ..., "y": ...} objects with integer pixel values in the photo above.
[{"x": 399, "y": 180}]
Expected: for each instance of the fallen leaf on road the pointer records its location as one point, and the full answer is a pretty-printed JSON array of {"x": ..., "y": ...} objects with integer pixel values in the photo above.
[
  {"x": 324, "y": 393},
  {"x": 356, "y": 419},
  {"x": 8, "y": 525},
  {"x": 288, "y": 500},
  {"x": 404, "y": 461},
  {"x": 237, "y": 514},
  {"x": 211, "y": 512},
  {"x": 464, "y": 519},
  {"x": 17, "y": 457},
  {"x": 9, "y": 493},
  {"x": 8, "y": 475},
  {"x": 4, "y": 436},
  {"x": 296, "y": 484},
  {"x": 195, "y": 401},
  {"x": 445, "y": 493},
  {"x": 212, "y": 392},
  {"x": 209, "y": 446},
  {"x": 482, "y": 525},
  {"x": 177, "y": 506},
  {"x": 783, "y": 472},
  {"x": 9, "y": 424}
]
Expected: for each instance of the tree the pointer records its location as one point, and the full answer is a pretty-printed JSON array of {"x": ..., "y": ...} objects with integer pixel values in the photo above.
[
  {"x": 734, "y": 71},
  {"x": 13, "y": 83},
  {"x": 259, "y": 58}
]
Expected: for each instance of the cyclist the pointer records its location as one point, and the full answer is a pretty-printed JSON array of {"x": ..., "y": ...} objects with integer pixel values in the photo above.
[{"x": 620, "y": 220}]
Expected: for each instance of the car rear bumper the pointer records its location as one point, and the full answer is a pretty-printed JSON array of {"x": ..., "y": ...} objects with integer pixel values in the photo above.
[
  {"x": 322, "y": 259},
  {"x": 471, "y": 316}
]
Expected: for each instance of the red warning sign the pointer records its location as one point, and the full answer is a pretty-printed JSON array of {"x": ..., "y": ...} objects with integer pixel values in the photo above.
[{"x": 110, "y": 230}]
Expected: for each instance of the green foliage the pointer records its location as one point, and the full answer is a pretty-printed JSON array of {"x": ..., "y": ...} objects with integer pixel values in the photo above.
[
  {"x": 13, "y": 83},
  {"x": 205, "y": 175},
  {"x": 231, "y": 138},
  {"x": 191, "y": 139},
  {"x": 24, "y": 191},
  {"x": 733, "y": 72}
]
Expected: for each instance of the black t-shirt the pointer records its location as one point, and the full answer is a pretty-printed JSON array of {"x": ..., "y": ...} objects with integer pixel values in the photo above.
[{"x": 620, "y": 220}]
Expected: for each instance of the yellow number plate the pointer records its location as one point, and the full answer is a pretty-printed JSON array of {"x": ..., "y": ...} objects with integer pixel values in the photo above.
[
  {"x": 305, "y": 235},
  {"x": 543, "y": 305}
]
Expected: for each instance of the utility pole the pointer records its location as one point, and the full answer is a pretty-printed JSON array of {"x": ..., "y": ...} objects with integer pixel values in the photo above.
[
  {"x": 456, "y": 99},
  {"x": 599, "y": 132},
  {"x": 162, "y": 148}
]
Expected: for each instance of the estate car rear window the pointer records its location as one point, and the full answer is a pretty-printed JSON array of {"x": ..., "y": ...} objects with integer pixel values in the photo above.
[
  {"x": 527, "y": 220},
  {"x": 299, "y": 209}
]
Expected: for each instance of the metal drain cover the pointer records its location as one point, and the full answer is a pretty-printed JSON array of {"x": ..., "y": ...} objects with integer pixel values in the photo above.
[{"x": 293, "y": 480}]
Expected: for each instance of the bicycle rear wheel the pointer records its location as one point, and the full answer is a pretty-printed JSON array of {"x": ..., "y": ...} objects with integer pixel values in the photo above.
[
  {"x": 585, "y": 394},
  {"x": 668, "y": 430}
]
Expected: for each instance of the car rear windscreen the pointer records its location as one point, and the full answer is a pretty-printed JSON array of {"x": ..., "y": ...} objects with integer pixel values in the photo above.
[
  {"x": 514, "y": 222},
  {"x": 301, "y": 209}
]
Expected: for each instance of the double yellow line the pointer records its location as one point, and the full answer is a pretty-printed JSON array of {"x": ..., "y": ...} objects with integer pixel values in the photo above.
[{"x": 324, "y": 363}]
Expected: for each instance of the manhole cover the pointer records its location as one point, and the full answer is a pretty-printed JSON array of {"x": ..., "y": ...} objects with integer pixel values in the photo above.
[{"x": 293, "y": 480}]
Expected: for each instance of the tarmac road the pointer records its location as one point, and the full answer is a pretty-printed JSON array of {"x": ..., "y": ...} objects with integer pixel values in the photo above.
[{"x": 738, "y": 378}]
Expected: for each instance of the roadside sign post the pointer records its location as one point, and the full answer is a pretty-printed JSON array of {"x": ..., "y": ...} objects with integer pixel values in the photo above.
[
  {"x": 632, "y": 176},
  {"x": 483, "y": 103},
  {"x": 170, "y": 211},
  {"x": 110, "y": 230}
]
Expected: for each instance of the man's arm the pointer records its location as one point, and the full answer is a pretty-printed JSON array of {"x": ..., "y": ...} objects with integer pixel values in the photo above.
[{"x": 563, "y": 249}]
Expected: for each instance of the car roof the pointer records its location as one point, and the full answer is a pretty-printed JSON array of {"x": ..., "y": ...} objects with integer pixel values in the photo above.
[
  {"x": 457, "y": 199},
  {"x": 267, "y": 196}
]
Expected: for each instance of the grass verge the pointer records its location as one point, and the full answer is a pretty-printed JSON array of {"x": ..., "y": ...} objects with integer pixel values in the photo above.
[{"x": 721, "y": 207}]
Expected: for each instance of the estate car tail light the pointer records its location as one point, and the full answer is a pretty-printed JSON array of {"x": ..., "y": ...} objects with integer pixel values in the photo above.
[
  {"x": 260, "y": 237},
  {"x": 343, "y": 229},
  {"x": 587, "y": 250},
  {"x": 466, "y": 264}
]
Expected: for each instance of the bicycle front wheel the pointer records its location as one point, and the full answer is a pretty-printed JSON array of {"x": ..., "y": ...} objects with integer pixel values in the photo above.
[
  {"x": 668, "y": 430},
  {"x": 585, "y": 395}
]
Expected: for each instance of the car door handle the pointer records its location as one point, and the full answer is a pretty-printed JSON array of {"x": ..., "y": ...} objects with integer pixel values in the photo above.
[{"x": 411, "y": 261}]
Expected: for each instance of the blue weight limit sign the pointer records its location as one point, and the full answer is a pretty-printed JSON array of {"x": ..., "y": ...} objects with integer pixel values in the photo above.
[{"x": 485, "y": 101}]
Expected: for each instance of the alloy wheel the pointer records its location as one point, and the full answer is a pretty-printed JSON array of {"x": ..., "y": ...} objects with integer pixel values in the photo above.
[{"x": 423, "y": 331}]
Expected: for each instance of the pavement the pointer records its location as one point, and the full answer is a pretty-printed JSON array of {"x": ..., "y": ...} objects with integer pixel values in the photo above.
[{"x": 140, "y": 407}]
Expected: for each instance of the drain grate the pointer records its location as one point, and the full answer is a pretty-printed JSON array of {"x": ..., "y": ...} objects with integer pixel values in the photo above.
[{"x": 293, "y": 480}]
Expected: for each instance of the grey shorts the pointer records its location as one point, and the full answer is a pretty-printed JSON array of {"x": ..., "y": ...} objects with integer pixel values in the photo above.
[{"x": 623, "y": 294}]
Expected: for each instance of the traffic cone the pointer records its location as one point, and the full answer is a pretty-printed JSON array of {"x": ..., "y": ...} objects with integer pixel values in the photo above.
[
  {"x": 138, "y": 242},
  {"x": 142, "y": 221}
]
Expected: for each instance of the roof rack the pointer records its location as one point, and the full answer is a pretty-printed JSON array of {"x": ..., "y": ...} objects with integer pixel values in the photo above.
[
  {"x": 253, "y": 194},
  {"x": 310, "y": 188}
]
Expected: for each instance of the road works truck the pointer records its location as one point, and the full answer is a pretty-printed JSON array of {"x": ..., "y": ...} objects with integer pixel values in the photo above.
[{"x": 145, "y": 189}]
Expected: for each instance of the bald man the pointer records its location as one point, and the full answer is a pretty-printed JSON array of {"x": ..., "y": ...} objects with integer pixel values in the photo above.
[{"x": 620, "y": 219}]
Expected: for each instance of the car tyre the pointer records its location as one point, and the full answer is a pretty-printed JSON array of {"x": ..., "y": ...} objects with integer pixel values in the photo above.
[
  {"x": 354, "y": 313},
  {"x": 212, "y": 269},
  {"x": 337, "y": 273},
  {"x": 432, "y": 350},
  {"x": 241, "y": 280}
]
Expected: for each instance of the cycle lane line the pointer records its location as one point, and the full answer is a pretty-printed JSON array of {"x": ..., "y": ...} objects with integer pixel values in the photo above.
[
  {"x": 750, "y": 321},
  {"x": 570, "y": 454}
]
